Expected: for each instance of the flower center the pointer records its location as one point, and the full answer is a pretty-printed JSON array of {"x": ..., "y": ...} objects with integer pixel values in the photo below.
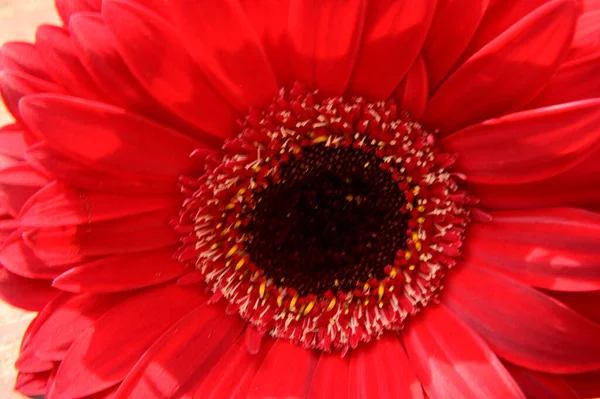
[
  {"x": 326, "y": 221},
  {"x": 333, "y": 218}
]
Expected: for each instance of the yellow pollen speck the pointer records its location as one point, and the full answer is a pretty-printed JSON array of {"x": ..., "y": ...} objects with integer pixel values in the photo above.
[
  {"x": 415, "y": 236},
  {"x": 367, "y": 164},
  {"x": 411, "y": 267},
  {"x": 366, "y": 287},
  {"x": 331, "y": 304},
  {"x": 309, "y": 307},
  {"x": 237, "y": 224},
  {"x": 279, "y": 300},
  {"x": 257, "y": 168},
  {"x": 214, "y": 246},
  {"x": 407, "y": 255},
  {"x": 349, "y": 197},
  {"x": 250, "y": 289},
  {"x": 421, "y": 220},
  {"x": 320, "y": 139},
  {"x": 225, "y": 231},
  {"x": 418, "y": 245},
  {"x": 241, "y": 191},
  {"x": 231, "y": 251},
  {"x": 409, "y": 179},
  {"x": 219, "y": 225},
  {"x": 421, "y": 208},
  {"x": 230, "y": 206},
  {"x": 366, "y": 301},
  {"x": 416, "y": 190},
  {"x": 228, "y": 263},
  {"x": 240, "y": 263},
  {"x": 293, "y": 302},
  {"x": 393, "y": 272},
  {"x": 336, "y": 282},
  {"x": 391, "y": 289},
  {"x": 381, "y": 291},
  {"x": 380, "y": 305},
  {"x": 261, "y": 289}
]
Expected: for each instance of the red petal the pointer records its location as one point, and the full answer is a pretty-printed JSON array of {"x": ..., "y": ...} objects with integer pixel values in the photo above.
[
  {"x": 232, "y": 375},
  {"x": 185, "y": 353},
  {"x": 586, "y": 385},
  {"x": 500, "y": 16},
  {"x": 61, "y": 322},
  {"x": 13, "y": 141},
  {"x": 393, "y": 35},
  {"x": 19, "y": 259},
  {"x": 270, "y": 21},
  {"x": 17, "y": 184},
  {"x": 7, "y": 227},
  {"x": 453, "y": 25},
  {"x": 25, "y": 293},
  {"x": 527, "y": 146},
  {"x": 521, "y": 324},
  {"x": 505, "y": 74},
  {"x": 59, "y": 205},
  {"x": 32, "y": 384},
  {"x": 585, "y": 303},
  {"x": 15, "y": 85},
  {"x": 132, "y": 234},
  {"x": 370, "y": 368},
  {"x": 331, "y": 377},
  {"x": 555, "y": 249},
  {"x": 233, "y": 58},
  {"x": 23, "y": 57},
  {"x": 66, "y": 8},
  {"x": 167, "y": 71},
  {"x": 103, "y": 355},
  {"x": 539, "y": 385},
  {"x": 412, "y": 93},
  {"x": 452, "y": 361},
  {"x": 122, "y": 272},
  {"x": 114, "y": 141},
  {"x": 57, "y": 50},
  {"x": 299, "y": 365},
  {"x": 326, "y": 37}
]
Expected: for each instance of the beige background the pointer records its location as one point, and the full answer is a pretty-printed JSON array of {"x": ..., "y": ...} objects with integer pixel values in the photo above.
[{"x": 18, "y": 19}]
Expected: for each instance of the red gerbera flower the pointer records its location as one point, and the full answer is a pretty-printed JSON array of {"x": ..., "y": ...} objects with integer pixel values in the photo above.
[{"x": 253, "y": 198}]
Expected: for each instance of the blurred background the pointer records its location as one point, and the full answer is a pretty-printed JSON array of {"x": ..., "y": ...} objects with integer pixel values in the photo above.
[{"x": 18, "y": 20}]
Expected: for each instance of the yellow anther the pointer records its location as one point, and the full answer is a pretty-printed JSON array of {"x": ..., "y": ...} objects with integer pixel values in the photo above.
[
  {"x": 279, "y": 300},
  {"x": 331, "y": 304},
  {"x": 261, "y": 289},
  {"x": 407, "y": 255},
  {"x": 349, "y": 197},
  {"x": 421, "y": 208},
  {"x": 237, "y": 224},
  {"x": 366, "y": 287},
  {"x": 415, "y": 236},
  {"x": 421, "y": 220},
  {"x": 240, "y": 263},
  {"x": 366, "y": 301},
  {"x": 241, "y": 191},
  {"x": 320, "y": 139},
  {"x": 230, "y": 206},
  {"x": 393, "y": 272},
  {"x": 367, "y": 164},
  {"x": 231, "y": 251},
  {"x": 257, "y": 168},
  {"x": 250, "y": 289},
  {"x": 336, "y": 282},
  {"x": 309, "y": 307},
  {"x": 411, "y": 267},
  {"x": 409, "y": 179},
  {"x": 293, "y": 302},
  {"x": 228, "y": 263},
  {"x": 416, "y": 190},
  {"x": 219, "y": 226},
  {"x": 214, "y": 246},
  {"x": 418, "y": 245},
  {"x": 381, "y": 291}
]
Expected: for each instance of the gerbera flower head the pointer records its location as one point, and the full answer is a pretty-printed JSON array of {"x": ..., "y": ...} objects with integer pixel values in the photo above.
[{"x": 354, "y": 198}]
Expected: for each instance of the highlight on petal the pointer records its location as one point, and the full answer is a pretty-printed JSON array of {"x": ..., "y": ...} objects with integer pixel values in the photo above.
[{"x": 23, "y": 57}]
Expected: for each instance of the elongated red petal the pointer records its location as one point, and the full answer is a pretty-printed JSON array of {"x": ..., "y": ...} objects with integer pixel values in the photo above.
[
  {"x": 326, "y": 37},
  {"x": 234, "y": 59},
  {"x": 167, "y": 71},
  {"x": 452, "y": 361},
  {"x": 66, "y": 8},
  {"x": 32, "y": 384},
  {"x": 232, "y": 375},
  {"x": 122, "y": 272},
  {"x": 527, "y": 146},
  {"x": 186, "y": 353},
  {"x": 13, "y": 141},
  {"x": 448, "y": 38},
  {"x": 19, "y": 259},
  {"x": 521, "y": 324},
  {"x": 393, "y": 35},
  {"x": 412, "y": 93},
  {"x": 15, "y": 85},
  {"x": 59, "y": 324},
  {"x": 585, "y": 303},
  {"x": 549, "y": 248},
  {"x": 149, "y": 231},
  {"x": 382, "y": 370},
  {"x": 59, "y": 205},
  {"x": 539, "y": 385},
  {"x": 58, "y": 52},
  {"x": 103, "y": 355},
  {"x": 331, "y": 377},
  {"x": 25, "y": 293},
  {"x": 505, "y": 74},
  {"x": 299, "y": 364},
  {"x": 59, "y": 167},
  {"x": 17, "y": 184},
  {"x": 23, "y": 57},
  {"x": 586, "y": 385},
  {"x": 115, "y": 140}
]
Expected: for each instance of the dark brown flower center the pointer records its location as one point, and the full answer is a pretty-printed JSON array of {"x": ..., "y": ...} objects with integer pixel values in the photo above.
[{"x": 333, "y": 218}]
